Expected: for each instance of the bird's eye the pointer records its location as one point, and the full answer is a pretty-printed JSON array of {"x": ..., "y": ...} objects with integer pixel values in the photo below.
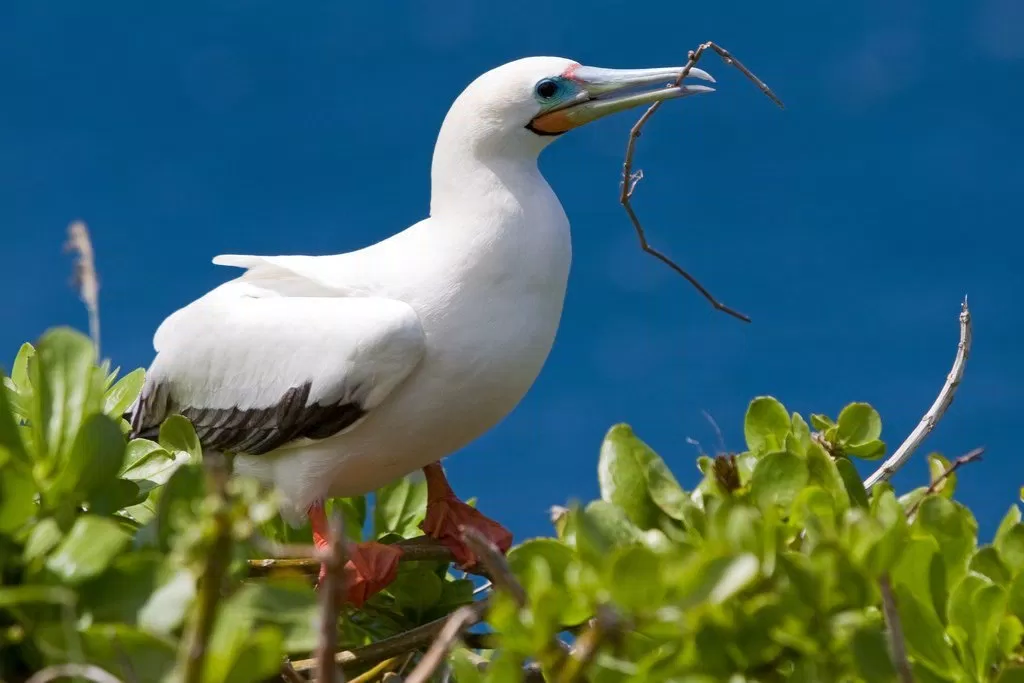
[{"x": 547, "y": 88}]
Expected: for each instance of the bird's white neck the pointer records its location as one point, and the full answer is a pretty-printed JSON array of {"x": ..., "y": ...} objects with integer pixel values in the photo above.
[{"x": 475, "y": 172}]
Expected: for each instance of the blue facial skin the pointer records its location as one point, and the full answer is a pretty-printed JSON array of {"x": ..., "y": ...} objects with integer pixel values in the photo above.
[{"x": 550, "y": 91}]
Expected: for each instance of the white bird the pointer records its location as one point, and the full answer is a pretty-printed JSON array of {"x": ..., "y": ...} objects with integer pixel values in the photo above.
[{"x": 334, "y": 375}]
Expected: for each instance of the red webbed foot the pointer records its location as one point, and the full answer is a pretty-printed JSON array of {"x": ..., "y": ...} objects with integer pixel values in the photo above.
[
  {"x": 370, "y": 568},
  {"x": 446, "y": 513}
]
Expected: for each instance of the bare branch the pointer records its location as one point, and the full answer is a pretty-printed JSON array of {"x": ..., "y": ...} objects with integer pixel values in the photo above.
[
  {"x": 555, "y": 653},
  {"x": 84, "y": 277},
  {"x": 495, "y": 563},
  {"x": 460, "y": 620},
  {"x": 631, "y": 178},
  {"x": 218, "y": 557},
  {"x": 964, "y": 459},
  {"x": 86, "y": 671},
  {"x": 334, "y": 584},
  {"x": 289, "y": 674},
  {"x": 306, "y": 559},
  {"x": 411, "y": 640},
  {"x": 894, "y": 631},
  {"x": 605, "y": 625},
  {"x": 935, "y": 413},
  {"x": 377, "y": 671}
]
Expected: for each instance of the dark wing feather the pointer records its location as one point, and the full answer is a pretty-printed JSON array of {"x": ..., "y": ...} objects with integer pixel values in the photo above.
[{"x": 255, "y": 431}]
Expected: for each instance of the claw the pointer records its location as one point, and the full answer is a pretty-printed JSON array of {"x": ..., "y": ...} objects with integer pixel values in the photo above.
[
  {"x": 371, "y": 567},
  {"x": 446, "y": 514}
]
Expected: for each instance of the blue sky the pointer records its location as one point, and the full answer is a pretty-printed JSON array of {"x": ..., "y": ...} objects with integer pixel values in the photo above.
[{"x": 849, "y": 226}]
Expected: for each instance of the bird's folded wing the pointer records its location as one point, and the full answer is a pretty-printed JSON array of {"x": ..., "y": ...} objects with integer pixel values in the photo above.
[{"x": 256, "y": 371}]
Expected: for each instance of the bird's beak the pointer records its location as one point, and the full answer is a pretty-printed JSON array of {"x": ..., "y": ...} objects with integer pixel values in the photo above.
[{"x": 607, "y": 91}]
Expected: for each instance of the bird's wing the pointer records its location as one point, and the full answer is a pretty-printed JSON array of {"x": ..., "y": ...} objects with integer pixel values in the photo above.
[{"x": 254, "y": 369}]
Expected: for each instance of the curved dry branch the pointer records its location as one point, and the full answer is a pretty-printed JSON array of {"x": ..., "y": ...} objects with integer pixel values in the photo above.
[
  {"x": 460, "y": 620},
  {"x": 935, "y": 413},
  {"x": 631, "y": 178},
  {"x": 410, "y": 640},
  {"x": 87, "y": 671}
]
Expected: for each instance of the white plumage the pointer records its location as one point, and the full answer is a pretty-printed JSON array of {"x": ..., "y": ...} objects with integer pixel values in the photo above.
[{"x": 335, "y": 375}]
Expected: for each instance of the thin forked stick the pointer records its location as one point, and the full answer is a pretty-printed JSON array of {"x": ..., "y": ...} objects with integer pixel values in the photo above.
[
  {"x": 935, "y": 413},
  {"x": 631, "y": 178},
  {"x": 460, "y": 620},
  {"x": 964, "y": 459}
]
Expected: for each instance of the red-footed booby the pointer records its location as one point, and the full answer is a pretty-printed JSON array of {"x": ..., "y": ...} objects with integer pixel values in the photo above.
[{"x": 334, "y": 375}]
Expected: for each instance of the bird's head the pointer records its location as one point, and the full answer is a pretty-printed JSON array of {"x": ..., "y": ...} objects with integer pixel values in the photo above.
[{"x": 525, "y": 104}]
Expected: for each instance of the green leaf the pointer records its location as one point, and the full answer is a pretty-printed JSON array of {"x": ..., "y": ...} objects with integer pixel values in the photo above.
[
  {"x": 178, "y": 435},
  {"x": 612, "y": 522},
  {"x": 986, "y": 561},
  {"x": 1011, "y": 547},
  {"x": 286, "y": 604},
  {"x": 871, "y": 655},
  {"x": 177, "y": 503},
  {"x": 17, "y": 499},
  {"x": 953, "y": 526},
  {"x": 778, "y": 478},
  {"x": 766, "y": 425},
  {"x": 120, "y": 397},
  {"x": 116, "y": 497},
  {"x": 821, "y": 422},
  {"x": 12, "y": 596},
  {"x": 120, "y": 649},
  {"x": 589, "y": 539},
  {"x": 94, "y": 461},
  {"x": 465, "y": 668},
  {"x": 258, "y": 658},
  {"x": 19, "y": 370},
  {"x": 416, "y": 589},
  {"x": 150, "y": 464},
  {"x": 798, "y": 441},
  {"x": 1010, "y": 519},
  {"x": 851, "y": 480},
  {"x": 872, "y": 450},
  {"x": 11, "y": 444},
  {"x": 718, "y": 579},
  {"x": 400, "y": 507},
  {"x": 635, "y": 579},
  {"x": 634, "y": 478},
  {"x": 1015, "y": 597},
  {"x": 556, "y": 554},
  {"x": 88, "y": 549},
  {"x": 822, "y": 470},
  {"x": 65, "y": 391},
  {"x": 937, "y": 467},
  {"x": 43, "y": 538},
  {"x": 923, "y": 631},
  {"x": 120, "y": 592},
  {"x": 858, "y": 424},
  {"x": 17, "y": 389},
  {"x": 920, "y": 571},
  {"x": 166, "y": 607},
  {"x": 1011, "y": 674},
  {"x": 893, "y": 540},
  {"x": 988, "y": 604}
]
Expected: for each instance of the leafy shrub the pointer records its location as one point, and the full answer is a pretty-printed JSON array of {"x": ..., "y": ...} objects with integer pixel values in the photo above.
[{"x": 136, "y": 556}]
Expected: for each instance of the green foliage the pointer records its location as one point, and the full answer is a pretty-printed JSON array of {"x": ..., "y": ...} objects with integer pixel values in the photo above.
[
  {"x": 774, "y": 570},
  {"x": 770, "y": 569},
  {"x": 104, "y": 541}
]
